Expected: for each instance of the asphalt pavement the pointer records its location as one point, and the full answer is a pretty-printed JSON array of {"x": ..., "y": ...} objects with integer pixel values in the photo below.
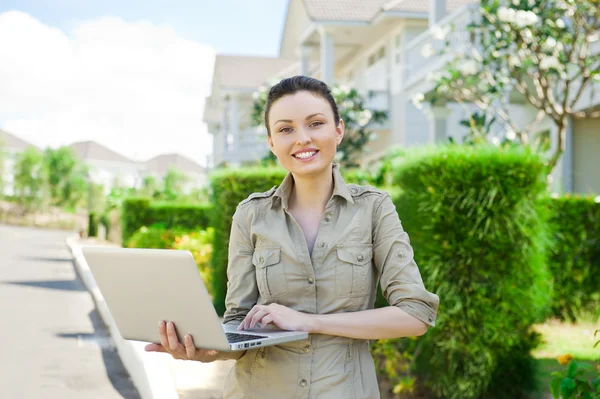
[{"x": 53, "y": 343}]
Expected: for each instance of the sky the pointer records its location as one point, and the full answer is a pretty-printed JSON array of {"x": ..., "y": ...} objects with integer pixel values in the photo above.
[{"x": 131, "y": 75}]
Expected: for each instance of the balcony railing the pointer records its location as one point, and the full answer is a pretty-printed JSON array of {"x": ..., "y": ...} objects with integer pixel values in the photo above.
[{"x": 422, "y": 55}]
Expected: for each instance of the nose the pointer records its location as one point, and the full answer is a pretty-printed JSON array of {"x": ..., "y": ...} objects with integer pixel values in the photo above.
[{"x": 303, "y": 137}]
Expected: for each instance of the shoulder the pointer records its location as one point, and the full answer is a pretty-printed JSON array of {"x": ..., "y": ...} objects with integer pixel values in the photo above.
[
  {"x": 257, "y": 197},
  {"x": 366, "y": 191}
]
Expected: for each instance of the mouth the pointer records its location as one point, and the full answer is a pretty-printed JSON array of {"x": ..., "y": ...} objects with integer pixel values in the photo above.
[{"x": 306, "y": 155}]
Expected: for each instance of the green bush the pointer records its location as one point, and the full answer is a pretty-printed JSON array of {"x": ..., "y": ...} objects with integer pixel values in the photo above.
[
  {"x": 229, "y": 188},
  {"x": 575, "y": 256},
  {"x": 138, "y": 212},
  {"x": 480, "y": 234},
  {"x": 156, "y": 236}
]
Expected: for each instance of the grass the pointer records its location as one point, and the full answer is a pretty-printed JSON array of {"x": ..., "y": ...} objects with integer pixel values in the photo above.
[{"x": 562, "y": 338}]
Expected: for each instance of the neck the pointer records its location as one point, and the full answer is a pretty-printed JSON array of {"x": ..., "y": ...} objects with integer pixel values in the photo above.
[{"x": 312, "y": 192}]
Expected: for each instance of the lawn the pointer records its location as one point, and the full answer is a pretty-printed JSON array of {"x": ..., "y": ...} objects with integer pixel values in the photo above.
[{"x": 562, "y": 338}]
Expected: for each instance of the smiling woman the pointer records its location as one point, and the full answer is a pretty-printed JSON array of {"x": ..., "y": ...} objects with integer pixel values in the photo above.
[{"x": 308, "y": 256}]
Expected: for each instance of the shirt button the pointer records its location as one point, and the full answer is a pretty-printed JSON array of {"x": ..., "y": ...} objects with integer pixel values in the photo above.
[
  {"x": 311, "y": 280},
  {"x": 328, "y": 218},
  {"x": 354, "y": 190},
  {"x": 401, "y": 254},
  {"x": 307, "y": 348},
  {"x": 321, "y": 244},
  {"x": 303, "y": 383},
  {"x": 360, "y": 257},
  {"x": 261, "y": 260}
]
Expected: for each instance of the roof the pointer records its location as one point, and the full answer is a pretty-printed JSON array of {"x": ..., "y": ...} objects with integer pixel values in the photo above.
[
  {"x": 367, "y": 10},
  {"x": 10, "y": 141},
  {"x": 90, "y": 150},
  {"x": 246, "y": 72},
  {"x": 160, "y": 164}
]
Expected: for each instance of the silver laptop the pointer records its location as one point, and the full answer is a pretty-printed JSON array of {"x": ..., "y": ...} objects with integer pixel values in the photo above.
[{"x": 143, "y": 286}]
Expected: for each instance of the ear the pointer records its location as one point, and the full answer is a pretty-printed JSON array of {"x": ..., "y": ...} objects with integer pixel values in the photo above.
[
  {"x": 271, "y": 145},
  {"x": 339, "y": 131}
]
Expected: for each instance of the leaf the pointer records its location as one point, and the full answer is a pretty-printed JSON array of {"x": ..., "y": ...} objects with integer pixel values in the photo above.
[
  {"x": 566, "y": 387},
  {"x": 554, "y": 388}
]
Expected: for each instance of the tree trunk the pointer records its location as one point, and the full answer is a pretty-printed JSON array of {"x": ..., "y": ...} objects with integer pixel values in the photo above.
[{"x": 560, "y": 145}]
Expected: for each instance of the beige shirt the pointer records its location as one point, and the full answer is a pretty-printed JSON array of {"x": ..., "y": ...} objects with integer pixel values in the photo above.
[{"x": 360, "y": 242}]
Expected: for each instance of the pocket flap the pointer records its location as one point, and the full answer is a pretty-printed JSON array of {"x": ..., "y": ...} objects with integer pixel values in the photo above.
[
  {"x": 264, "y": 257},
  {"x": 356, "y": 254}
]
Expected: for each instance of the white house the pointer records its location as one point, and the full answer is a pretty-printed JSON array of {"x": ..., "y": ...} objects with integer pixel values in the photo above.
[
  {"x": 11, "y": 146},
  {"x": 159, "y": 165},
  {"x": 107, "y": 167}
]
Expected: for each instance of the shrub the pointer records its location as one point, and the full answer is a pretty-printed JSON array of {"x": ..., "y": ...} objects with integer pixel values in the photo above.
[
  {"x": 155, "y": 236},
  {"x": 229, "y": 187},
  {"x": 92, "y": 225},
  {"x": 575, "y": 256},
  {"x": 138, "y": 212},
  {"x": 480, "y": 238}
]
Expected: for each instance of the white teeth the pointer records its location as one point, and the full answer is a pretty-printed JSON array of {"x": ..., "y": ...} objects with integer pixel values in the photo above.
[{"x": 305, "y": 155}]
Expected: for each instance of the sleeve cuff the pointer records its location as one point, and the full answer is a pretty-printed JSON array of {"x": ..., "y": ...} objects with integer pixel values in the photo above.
[{"x": 419, "y": 311}]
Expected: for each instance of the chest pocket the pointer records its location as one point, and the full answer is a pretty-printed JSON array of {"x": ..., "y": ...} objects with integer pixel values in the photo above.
[
  {"x": 270, "y": 274},
  {"x": 353, "y": 271}
]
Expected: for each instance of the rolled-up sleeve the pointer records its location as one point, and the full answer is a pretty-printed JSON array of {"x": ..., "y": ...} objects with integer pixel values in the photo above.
[
  {"x": 400, "y": 279},
  {"x": 242, "y": 291}
]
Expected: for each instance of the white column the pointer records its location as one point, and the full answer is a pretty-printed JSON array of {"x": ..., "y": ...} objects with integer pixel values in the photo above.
[
  {"x": 224, "y": 130},
  {"x": 437, "y": 11},
  {"x": 438, "y": 122},
  {"x": 327, "y": 56},
  {"x": 304, "y": 55}
]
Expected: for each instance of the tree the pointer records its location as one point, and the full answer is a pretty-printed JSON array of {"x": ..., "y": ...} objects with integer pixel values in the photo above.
[
  {"x": 173, "y": 184},
  {"x": 149, "y": 186},
  {"x": 29, "y": 179},
  {"x": 542, "y": 49},
  {"x": 65, "y": 176},
  {"x": 358, "y": 121}
]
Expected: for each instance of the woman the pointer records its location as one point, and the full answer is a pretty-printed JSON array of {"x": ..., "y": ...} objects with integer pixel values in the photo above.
[{"x": 307, "y": 257}]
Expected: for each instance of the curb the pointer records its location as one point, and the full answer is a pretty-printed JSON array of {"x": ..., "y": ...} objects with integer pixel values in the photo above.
[{"x": 149, "y": 372}]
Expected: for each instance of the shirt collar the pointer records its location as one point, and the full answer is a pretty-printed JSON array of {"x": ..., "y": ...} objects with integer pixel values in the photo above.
[{"x": 339, "y": 187}]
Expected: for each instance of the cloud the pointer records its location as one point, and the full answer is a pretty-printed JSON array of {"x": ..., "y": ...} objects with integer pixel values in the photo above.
[{"x": 137, "y": 88}]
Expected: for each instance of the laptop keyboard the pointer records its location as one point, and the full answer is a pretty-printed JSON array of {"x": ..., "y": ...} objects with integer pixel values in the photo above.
[{"x": 233, "y": 337}]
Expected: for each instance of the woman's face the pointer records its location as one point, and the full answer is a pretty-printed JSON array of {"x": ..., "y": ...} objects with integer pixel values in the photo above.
[{"x": 304, "y": 136}]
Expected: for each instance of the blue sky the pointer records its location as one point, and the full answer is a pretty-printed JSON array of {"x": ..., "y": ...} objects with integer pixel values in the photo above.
[{"x": 230, "y": 26}]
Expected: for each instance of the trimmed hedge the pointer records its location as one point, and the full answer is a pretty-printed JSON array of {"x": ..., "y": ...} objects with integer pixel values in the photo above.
[
  {"x": 480, "y": 236},
  {"x": 139, "y": 212},
  {"x": 575, "y": 256},
  {"x": 229, "y": 188}
]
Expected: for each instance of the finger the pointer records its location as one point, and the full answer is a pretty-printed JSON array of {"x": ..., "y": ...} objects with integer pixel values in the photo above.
[
  {"x": 155, "y": 348},
  {"x": 258, "y": 317},
  {"x": 270, "y": 318},
  {"x": 190, "y": 349},
  {"x": 172, "y": 337},
  {"x": 162, "y": 331},
  {"x": 245, "y": 324}
]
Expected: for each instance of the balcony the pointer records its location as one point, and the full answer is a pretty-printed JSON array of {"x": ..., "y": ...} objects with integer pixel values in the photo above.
[{"x": 454, "y": 29}]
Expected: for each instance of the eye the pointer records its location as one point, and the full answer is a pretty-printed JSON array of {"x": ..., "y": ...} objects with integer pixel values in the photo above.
[
  {"x": 285, "y": 130},
  {"x": 316, "y": 123}
]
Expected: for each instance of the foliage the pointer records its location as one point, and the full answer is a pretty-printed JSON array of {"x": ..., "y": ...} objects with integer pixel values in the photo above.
[
  {"x": 29, "y": 182},
  {"x": 3, "y": 157},
  {"x": 480, "y": 236},
  {"x": 358, "y": 119},
  {"x": 229, "y": 188},
  {"x": 173, "y": 184},
  {"x": 571, "y": 382},
  {"x": 575, "y": 256},
  {"x": 65, "y": 176},
  {"x": 543, "y": 49},
  {"x": 139, "y": 212},
  {"x": 394, "y": 360}
]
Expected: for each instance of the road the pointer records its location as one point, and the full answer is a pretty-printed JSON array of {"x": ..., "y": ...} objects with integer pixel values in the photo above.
[{"x": 53, "y": 343}]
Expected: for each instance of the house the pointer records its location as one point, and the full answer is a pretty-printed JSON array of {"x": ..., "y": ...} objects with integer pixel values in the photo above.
[
  {"x": 159, "y": 166},
  {"x": 10, "y": 146},
  {"x": 227, "y": 111},
  {"x": 107, "y": 167}
]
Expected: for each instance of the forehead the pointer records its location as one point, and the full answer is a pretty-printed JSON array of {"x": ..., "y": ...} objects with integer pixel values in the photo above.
[{"x": 298, "y": 106}]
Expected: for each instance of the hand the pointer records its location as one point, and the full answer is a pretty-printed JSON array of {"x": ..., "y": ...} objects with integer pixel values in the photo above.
[
  {"x": 282, "y": 316},
  {"x": 169, "y": 343}
]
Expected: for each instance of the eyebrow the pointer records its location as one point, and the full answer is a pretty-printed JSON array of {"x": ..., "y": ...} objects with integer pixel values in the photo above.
[{"x": 307, "y": 118}]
